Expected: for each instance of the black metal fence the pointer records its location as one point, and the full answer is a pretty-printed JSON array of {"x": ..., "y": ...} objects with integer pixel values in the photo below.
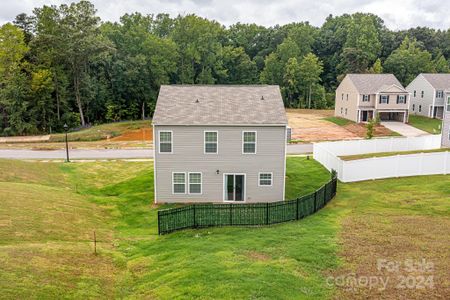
[{"x": 206, "y": 215}]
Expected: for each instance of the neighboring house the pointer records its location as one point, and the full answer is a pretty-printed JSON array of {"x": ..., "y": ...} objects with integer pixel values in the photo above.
[
  {"x": 219, "y": 143},
  {"x": 446, "y": 121},
  {"x": 427, "y": 94},
  {"x": 360, "y": 97}
]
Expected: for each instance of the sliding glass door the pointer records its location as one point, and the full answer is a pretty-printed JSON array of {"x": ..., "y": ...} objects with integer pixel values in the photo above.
[{"x": 234, "y": 187}]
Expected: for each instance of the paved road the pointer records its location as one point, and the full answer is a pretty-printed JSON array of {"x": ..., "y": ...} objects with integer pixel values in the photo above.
[
  {"x": 77, "y": 154},
  {"x": 403, "y": 129},
  {"x": 108, "y": 153}
]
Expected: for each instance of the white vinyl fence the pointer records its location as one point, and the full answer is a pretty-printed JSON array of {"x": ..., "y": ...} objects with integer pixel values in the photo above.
[{"x": 328, "y": 153}]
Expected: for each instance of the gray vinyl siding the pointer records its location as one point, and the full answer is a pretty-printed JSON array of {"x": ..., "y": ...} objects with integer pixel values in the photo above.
[
  {"x": 188, "y": 156},
  {"x": 420, "y": 84},
  {"x": 446, "y": 127}
]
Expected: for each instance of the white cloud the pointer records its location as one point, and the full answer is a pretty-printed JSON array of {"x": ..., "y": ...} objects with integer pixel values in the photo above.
[{"x": 396, "y": 14}]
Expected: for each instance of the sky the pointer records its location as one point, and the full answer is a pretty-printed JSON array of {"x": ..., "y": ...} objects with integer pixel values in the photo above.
[{"x": 396, "y": 14}]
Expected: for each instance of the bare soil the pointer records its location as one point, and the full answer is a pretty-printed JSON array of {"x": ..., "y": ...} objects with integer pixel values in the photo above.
[
  {"x": 309, "y": 125},
  {"x": 143, "y": 134}
]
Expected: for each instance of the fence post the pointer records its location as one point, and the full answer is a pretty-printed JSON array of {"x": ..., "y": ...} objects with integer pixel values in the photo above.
[
  {"x": 231, "y": 214},
  {"x": 195, "y": 223},
  {"x": 298, "y": 199},
  {"x": 159, "y": 223},
  {"x": 315, "y": 201},
  {"x": 267, "y": 213}
]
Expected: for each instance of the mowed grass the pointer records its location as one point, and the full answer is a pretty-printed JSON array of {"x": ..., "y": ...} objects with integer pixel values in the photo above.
[
  {"x": 49, "y": 212},
  {"x": 429, "y": 125},
  {"x": 384, "y": 154},
  {"x": 339, "y": 121},
  {"x": 100, "y": 132}
]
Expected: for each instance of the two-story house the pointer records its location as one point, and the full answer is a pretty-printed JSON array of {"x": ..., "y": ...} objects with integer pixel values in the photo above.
[
  {"x": 428, "y": 94},
  {"x": 219, "y": 143},
  {"x": 361, "y": 97},
  {"x": 446, "y": 120}
]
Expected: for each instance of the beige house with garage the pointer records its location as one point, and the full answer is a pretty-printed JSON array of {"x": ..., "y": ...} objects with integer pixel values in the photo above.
[
  {"x": 360, "y": 97},
  {"x": 428, "y": 94},
  {"x": 219, "y": 143}
]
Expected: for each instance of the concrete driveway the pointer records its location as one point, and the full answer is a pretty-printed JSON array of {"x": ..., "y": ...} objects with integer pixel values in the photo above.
[{"x": 403, "y": 129}]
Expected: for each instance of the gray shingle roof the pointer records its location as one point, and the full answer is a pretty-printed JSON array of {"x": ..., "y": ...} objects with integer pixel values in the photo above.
[
  {"x": 373, "y": 83},
  {"x": 439, "y": 81},
  {"x": 219, "y": 105}
]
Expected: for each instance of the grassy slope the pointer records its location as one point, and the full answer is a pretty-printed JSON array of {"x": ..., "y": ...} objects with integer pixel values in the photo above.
[
  {"x": 382, "y": 154},
  {"x": 279, "y": 261},
  {"x": 426, "y": 124},
  {"x": 100, "y": 132},
  {"x": 284, "y": 261},
  {"x": 338, "y": 121}
]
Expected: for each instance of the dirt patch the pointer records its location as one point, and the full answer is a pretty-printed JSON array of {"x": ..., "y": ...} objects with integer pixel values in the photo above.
[
  {"x": 143, "y": 134},
  {"x": 310, "y": 126},
  {"x": 371, "y": 242},
  {"x": 360, "y": 130},
  {"x": 258, "y": 256}
]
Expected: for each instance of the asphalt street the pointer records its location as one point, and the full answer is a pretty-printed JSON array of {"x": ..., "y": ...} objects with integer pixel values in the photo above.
[{"x": 108, "y": 153}]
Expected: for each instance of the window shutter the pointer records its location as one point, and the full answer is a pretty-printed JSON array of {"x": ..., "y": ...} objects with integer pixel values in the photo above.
[
  {"x": 398, "y": 98},
  {"x": 387, "y": 100},
  {"x": 379, "y": 100}
]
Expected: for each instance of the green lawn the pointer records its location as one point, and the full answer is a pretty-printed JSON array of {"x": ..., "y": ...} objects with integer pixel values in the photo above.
[
  {"x": 49, "y": 212},
  {"x": 100, "y": 132},
  {"x": 426, "y": 124},
  {"x": 383, "y": 154},
  {"x": 339, "y": 121}
]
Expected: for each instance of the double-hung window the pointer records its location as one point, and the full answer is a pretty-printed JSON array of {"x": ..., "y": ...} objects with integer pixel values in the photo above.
[
  {"x": 401, "y": 99},
  {"x": 211, "y": 142},
  {"x": 448, "y": 103},
  {"x": 439, "y": 94},
  {"x": 365, "y": 98},
  {"x": 249, "y": 142},
  {"x": 165, "y": 142},
  {"x": 414, "y": 94},
  {"x": 265, "y": 179},
  {"x": 422, "y": 94},
  {"x": 179, "y": 183},
  {"x": 384, "y": 99},
  {"x": 195, "y": 183}
]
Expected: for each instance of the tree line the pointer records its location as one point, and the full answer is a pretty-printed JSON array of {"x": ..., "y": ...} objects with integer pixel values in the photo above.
[{"x": 62, "y": 64}]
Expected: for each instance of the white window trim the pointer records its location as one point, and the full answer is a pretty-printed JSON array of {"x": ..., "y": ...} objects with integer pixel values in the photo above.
[
  {"x": 189, "y": 183},
  {"x": 256, "y": 142},
  {"x": 401, "y": 101},
  {"x": 383, "y": 97},
  {"x": 159, "y": 141},
  {"x": 271, "y": 179},
  {"x": 449, "y": 134},
  {"x": 204, "y": 142},
  {"x": 245, "y": 188},
  {"x": 448, "y": 104},
  {"x": 366, "y": 98},
  {"x": 173, "y": 184}
]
